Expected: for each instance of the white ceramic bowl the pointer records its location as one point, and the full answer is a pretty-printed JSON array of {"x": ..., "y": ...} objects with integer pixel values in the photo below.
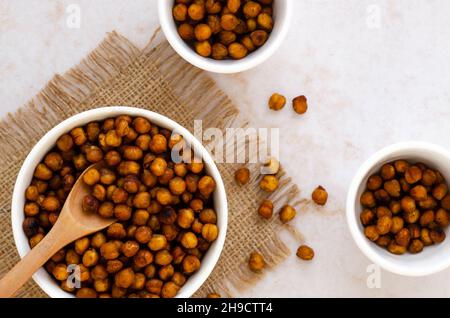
[
  {"x": 282, "y": 11},
  {"x": 433, "y": 258},
  {"x": 41, "y": 277}
]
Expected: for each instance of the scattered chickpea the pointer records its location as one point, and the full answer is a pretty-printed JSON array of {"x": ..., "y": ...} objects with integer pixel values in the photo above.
[
  {"x": 305, "y": 253},
  {"x": 269, "y": 183},
  {"x": 300, "y": 105},
  {"x": 320, "y": 196},
  {"x": 242, "y": 176},
  {"x": 287, "y": 213},
  {"x": 277, "y": 102},
  {"x": 256, "y": 262}
]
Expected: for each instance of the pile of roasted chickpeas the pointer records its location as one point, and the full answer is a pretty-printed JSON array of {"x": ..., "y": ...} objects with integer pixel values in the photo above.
[
  {"x": 405, "y": 207},
  {"x": 164, "y": 210},
  {"x": 224, "y": 29}
]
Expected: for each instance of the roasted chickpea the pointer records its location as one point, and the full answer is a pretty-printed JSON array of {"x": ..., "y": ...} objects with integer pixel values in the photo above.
[
  {"x": 190, "y": 264},
  {"x": 106, "y": 210},
  {"x": 36, "y": 239},
  {"x": 94, "y": 154},
  {"x": 203, "y": 48},
  {"x": 251, "y": 9},
  {"x": 277, "y": 102},
  {"x": 412, "y": 217},
  {"x": 256, "y": 262},
  {"x": 320, "y": 196},
  {"x": 180, "y": 12},
  {"x": 210, "y": 232},
  {"x": 396, "y": 249},
  {"x": 408, "y": 204},
  {"x": 42, "y": 172},
  {"x": 305, "y": 253},
  {"x": 116, "y": 231},
  {"x": 196, "y": 11},
  {"x": 393, "y": 188},
  {"x": 242, "y": 176},
  {"x": 397, "y": 224},
  {"x": 189, "y": 240},
  {"x": 227, "y": 37},
  {"x": 384, "y": 225},
  {"x": 163, "y": 257},
  {"x": 383, "y": 241},
  {"x": 437, "y": 236},
  {"x": 109, "y": 251},
  {"x": 86, "y": 292},
  {"x": 426, "y": 218},
  {"x": 229, "y": 22},
  {"x": 387, "y": 171},
  {"x": 91, "y": 177},
  {"x": 416, "y": 246},
  {"x": 90, "y": 258},
  {"x": 143, "y": 258},
  {"x": 413, "y": 174},
  {"x": 81, "y": 245},
  {"x": 440, "y": 191},
  {"x": 419, "y": 193},
  {"x": 428, "y": 177},
  {"x": 207, "y": 216},
  {"x": 403, "y": 237},
  {"x": 124, "y": 278},
  {"x": 367, "y": 199},
  {"x": 401, "y": 166},
  {"x": 65, "y": 143},
  {"x": 371, "y": 233},
  {"x": 287, "y": 213},
  {"x": 60, "y": 272}
]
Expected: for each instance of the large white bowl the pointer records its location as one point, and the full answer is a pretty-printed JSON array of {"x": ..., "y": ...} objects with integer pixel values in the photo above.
[
  {"x": 282, "y": 12},
  {"x": 433, "y": 258},
  {"x": 47, "y": 142}
]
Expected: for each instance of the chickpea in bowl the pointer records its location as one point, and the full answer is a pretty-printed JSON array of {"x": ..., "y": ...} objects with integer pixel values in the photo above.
[{"x": 171, "y": 216}]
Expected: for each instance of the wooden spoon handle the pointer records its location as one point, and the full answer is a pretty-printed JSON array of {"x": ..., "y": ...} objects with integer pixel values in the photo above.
[{"x": 23, "y": 270}]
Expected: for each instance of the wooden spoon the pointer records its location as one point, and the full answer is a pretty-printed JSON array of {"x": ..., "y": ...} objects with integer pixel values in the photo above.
[{"x": 72, "y": 224}]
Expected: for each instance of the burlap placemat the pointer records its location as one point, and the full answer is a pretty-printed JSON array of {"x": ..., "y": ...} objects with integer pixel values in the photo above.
[{"x": 156, "y": 78}]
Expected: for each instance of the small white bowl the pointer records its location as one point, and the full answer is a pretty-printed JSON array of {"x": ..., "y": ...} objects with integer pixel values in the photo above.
[
  {"x": 282, "y": 11},
  {"x": 41, "y": 277},
  {"x": 433, "y": 258}
]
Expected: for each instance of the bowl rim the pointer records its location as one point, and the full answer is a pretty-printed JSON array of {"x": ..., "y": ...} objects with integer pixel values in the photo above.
[
  {"x": 47, "y": 142},
  {"x": 226, "y": 66},
  {"x": 367, "y": 247}
]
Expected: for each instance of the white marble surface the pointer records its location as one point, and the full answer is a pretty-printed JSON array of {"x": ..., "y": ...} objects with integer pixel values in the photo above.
[{"x": 367, "y": 86}]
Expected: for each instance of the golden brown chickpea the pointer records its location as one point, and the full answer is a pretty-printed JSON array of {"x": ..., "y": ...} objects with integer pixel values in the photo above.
[
  {"x": 163, "y": 257},
  {"x": 419, "y": 193},
  {"x": 163, "y": 196},
  {"x": 242, "y": 176},
  {"x": 227, "y": 37},
  {"x": 251, "y": 9},
  {"x": 51, "y": 204},
  {"x": 393, "y": 188},
  {"x": 91, "y": 177},
  {"x": 185, "y": 218},
  {"x": 42, "y": 172},
  {"x": 109, "y": 251},
  {"x": 429, "y": 203},
  {"x": 99, "y": 192},
  {"x": 442, "y": 218},
  {"x": 277, "y": 102},
  {"x": 210, "y": 232},
  {"x": 150, "y": 271},
  {"x": 180, "y": 12},
  {"x": 190, "y": 264},
  {"x": 196, "y": 166},
  {"x": 119, "y": 196},
  {"x": 287, "y": 213},
  {"x": 233, "y": 5},
  {"x": 411, "y": 217},
  {"x": 143, "y": 258},
  {"x": 116, "y": 231},
  {"x": 196, "y": 11},
  {"x": 179, "y": 279},
  {"x": 374, "y": 182},
  {"x": 158, "y": 144},
  {"x": 203, "y": 48},
  {"x": 36, "y": 239},
  {"x": 414, "y": 229},
  {"x": 90, "y": 258},
  {"x": 72, "y": 257},
  {"x": 202, "y": 32},
  {"x": 397, "y": 224},
  {"x": 169, "y": 290},
  {"x": 113, "y": 266},
  {"x": 437, "y": 236},
  {"x": 213, "y": 6},
  {"x": 86, "y": 292},
  {"x": 65, "y": 143},
  {"x": 401, "y": 166},
  {"x": 132, "y": 153},
  {"x": 269, "y": 183},
  {"x": 305, "y": 253},
  {"x": 371, "y": 233},
  {"x": 300, "y": 104},
  {"x": 265, "y": 21},
  {"x": 387, "y": 171},
  {"x": 229, "y": 22},
  {"x": 92, "y": 131},
  {"x": 59, "y": 256},
  {"x": 78, "y": 136},
  {"x": 32, "y": 193},
  {"x": 403, "y": 237},
  {"x": 142, "y": 200},
  {"x": 60, "y": 272},
  {"x": 425, "y": 237},
  {"x": 31, "y": 209},
  {"x": 122, "y": 127},
  {"x": 157, "y": 242},
  {"x": 139, "y": 281},
  {"x": 384, "y": 225},
  {"x": 265, "y": 210},
  {"x": 106, "y": 210},
  {"x": 101, "y": 285},
  {"x": 113, "y": 139},
  {"x": 426, "y": 218},
  {"x": 154, "y": 286},
  {"x": 383, "y": 241},
  {"x": 408, "y": 204},
  {"x": 166, "y": 272},
  {"x": 396, "y": 249},
  {"x": 124, "y": 278},
  {"x": 251, "y": 26},
  {"x": 383, "y": 211},
  {"x": 208, "y": 216},
  {"x": 320, "y": 195},
  {"x": 416, "y": 246},
  {"x": 413, "y": 174},
  {"x": 256, "y": 262},
  {"x": 54, "y": 161},
  {"x": 248, "y": 43},
  {"x": 30, "y": 226},
  {"x": 189, "y": 240},
  {"x": 237, "y": 51},
  {"x": 158, "y": 167},
  {"x": 440, "y": 191},
  {"x": 143, "y": 234},
  {"x": 206, "y": 186},
  {"x": 367, "y": 216},
  {"x": 429, "y": 177},
  {"x": 98, "y": 240},
  {"x": 81, "y": 245},
  {"x": 94, "y": 154},
  {"x": 129, "y": 248},
  {"x": 177, "y": 185},
  {"x": 367, "y": 199}
]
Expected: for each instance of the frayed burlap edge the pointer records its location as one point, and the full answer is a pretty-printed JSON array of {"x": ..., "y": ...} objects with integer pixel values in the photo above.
[{"x": 95, "y": 82}]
